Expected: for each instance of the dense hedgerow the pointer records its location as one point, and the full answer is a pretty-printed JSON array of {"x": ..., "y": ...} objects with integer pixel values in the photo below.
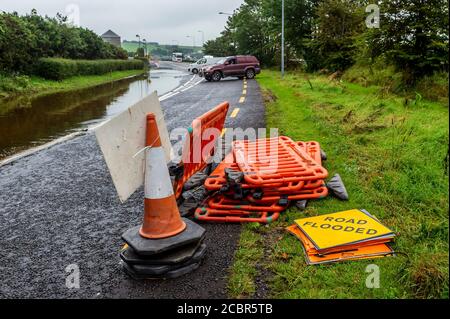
[
  {"x": 26, "y": 39},
  {"x": 59, "y": 69}
]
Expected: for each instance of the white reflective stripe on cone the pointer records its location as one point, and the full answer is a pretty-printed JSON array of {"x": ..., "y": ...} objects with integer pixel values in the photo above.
[{"x": 157, "y": 178}]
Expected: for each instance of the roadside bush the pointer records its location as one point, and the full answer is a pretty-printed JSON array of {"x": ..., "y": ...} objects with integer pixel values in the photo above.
[
  {"x": 433, "y": 87},
  {"x": 13, "y": 84},
  {"x": 26, "y": 39},
  {"x": 59, "y": 69}
]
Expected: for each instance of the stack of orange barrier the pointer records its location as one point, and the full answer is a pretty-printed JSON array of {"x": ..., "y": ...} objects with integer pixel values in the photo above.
[{"x": 257, "y": 181}]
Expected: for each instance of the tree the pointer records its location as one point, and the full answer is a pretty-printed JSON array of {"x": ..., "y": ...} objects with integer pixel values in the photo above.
[
  {"x": 413, "y": 36},
  {"x": 221, "y": 47},
  {"x": 26, "y": 39},
  {"x": 333, "y": 43}
]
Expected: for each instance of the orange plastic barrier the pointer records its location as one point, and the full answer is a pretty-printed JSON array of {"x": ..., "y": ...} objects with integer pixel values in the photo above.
[
  {"x": 235, "y": 216},
  {"x": 317, "y": 193},
  {"x": 283, "y": 164},
  {"x": 218, "y": 179},
  {"x": 313, "y": 149},
  {"x": 223, "y": 203},
  {"x": 270, "y": 173},
  {"x": 199, "y": 145}
]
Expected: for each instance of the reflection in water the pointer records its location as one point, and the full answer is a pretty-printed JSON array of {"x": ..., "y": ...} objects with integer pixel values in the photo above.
[{"x": 25, "y": 123}]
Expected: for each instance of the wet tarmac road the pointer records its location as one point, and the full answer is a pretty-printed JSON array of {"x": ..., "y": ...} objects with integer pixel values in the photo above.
[{"x": 58, "y": 207}]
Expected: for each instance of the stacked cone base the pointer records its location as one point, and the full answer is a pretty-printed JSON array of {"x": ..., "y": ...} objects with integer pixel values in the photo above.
[{"x": 164, "y": 258}]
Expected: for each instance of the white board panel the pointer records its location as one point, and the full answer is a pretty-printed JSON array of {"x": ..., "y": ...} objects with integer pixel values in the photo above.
[{"x": 122, "y": 137}]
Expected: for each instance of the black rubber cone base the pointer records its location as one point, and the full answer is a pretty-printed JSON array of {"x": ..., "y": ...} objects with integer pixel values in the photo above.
[
  {"x": 148, "y": 247},
  {"x": 187, "y": 208},
  {"x": 337, "y": 188},
  {"x": 172, "y": 257},
  {"x": 166, "y": 271},
  {"x": 131, "y": 271}
]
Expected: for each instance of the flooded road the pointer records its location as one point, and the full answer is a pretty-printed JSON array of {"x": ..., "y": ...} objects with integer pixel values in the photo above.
[{"x": 27, "y": 122}]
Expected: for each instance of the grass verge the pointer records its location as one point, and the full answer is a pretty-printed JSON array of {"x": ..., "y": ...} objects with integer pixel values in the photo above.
[
  {"x": 392, "y": 153},
  {"x": 16, "y": 86}
]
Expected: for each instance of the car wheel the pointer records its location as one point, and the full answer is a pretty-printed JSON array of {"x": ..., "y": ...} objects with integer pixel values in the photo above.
[
  {"x": 250, "y": 74},
  {"x": 216, "y": 76},
  {"x": 195, "y": 71}
]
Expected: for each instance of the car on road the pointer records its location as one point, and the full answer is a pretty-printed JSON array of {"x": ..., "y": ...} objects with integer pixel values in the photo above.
[
  {"x": 196, "y": 67},
  {"x": 177, "y": 57},
  {"x": 154, "y": 64},
  {"x": 239, "y": 66}
]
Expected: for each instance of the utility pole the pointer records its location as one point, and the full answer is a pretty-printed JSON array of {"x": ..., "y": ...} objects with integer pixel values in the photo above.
[
  {"x": 139, "y": 37},
  {"x": 282, "y": 39},
  {"x": 203, "y": 37}
]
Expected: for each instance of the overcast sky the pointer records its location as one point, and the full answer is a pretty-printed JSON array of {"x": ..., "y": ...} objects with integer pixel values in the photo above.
[{"x": 156, "y": 20}]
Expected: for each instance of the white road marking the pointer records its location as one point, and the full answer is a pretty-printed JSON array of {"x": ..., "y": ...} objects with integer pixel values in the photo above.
[{"x": 169, "y": 96}]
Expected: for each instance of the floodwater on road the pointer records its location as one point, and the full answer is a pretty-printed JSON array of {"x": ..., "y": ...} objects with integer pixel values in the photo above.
[{"x": 27, "y": 122}]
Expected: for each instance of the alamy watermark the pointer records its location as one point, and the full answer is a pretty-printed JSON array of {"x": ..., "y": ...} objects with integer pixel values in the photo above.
[
  {"x": 373, "y": 19},
  {"x": 373, "y": 279},
  {"x": 73, "y": 277},
  {"x": 72, "y": 12}
]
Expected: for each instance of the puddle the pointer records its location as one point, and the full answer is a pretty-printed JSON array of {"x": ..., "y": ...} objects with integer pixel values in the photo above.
[{"x": 26, "y": 122}]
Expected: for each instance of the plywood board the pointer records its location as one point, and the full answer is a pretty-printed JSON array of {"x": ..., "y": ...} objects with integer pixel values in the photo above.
[{"x": 122, "y": 137}]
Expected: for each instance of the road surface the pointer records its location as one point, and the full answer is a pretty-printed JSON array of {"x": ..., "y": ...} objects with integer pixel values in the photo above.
[{"x": 58, "y": 207}]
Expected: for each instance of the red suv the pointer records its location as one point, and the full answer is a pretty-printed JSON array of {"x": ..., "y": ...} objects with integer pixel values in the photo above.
[{"x": 239, "y": 66}]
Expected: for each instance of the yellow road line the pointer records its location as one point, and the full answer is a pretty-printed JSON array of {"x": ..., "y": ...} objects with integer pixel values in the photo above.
[
  {"x": 244, "y": 92},
  {"x": 223, "y": 132},
  {"x": 242, "y": 99},
  {"x": 245, "y": 86},
  {"x": 235, "y": 113}
]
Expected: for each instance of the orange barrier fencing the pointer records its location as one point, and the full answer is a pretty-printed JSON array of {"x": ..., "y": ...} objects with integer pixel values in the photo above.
[
  {"x": 283, "y": 164},
  {"x": 234, "y": 216},
  {"x": 200, "y": 144},
  {"x": 258, "y": 180}
]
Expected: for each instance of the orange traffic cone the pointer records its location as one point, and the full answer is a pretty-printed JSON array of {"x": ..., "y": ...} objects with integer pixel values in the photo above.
[
  {"x": 161, "y": 215},
  {"x": 166, "y": 245}
]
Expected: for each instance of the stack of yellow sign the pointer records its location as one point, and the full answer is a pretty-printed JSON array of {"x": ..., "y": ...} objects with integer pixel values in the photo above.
[{"x": 349, "y": 235}]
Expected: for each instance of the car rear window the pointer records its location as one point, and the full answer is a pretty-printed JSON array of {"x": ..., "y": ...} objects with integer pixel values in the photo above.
[{"x": 247, "y": 59}]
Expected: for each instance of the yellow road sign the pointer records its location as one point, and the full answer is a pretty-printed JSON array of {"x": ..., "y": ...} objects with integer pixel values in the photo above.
[
  {"x": 344, "y": 228},
  {"x": 313, "y": 257}
]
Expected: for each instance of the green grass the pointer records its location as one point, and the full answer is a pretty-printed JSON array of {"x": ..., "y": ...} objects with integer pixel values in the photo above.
[
  {"x": 132, "y": 47},
  {"x": 391, "y": 154},
  {"x": 10, "y": 87}
]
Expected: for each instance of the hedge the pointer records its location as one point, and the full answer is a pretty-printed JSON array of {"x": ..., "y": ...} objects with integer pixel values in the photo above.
[{"x": 59, "y": 69}]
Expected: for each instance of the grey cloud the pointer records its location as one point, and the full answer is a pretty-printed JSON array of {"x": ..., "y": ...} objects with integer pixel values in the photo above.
[{"x": 156, "y": 20}]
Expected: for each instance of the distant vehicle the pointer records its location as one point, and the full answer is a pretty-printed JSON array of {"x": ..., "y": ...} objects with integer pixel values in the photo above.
[
  {"x": 154, "y": 64},
  {"x": 177, "y": 57},
  {"x": 239, "y": 66},
  {"x": 203, "y": 62}
]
